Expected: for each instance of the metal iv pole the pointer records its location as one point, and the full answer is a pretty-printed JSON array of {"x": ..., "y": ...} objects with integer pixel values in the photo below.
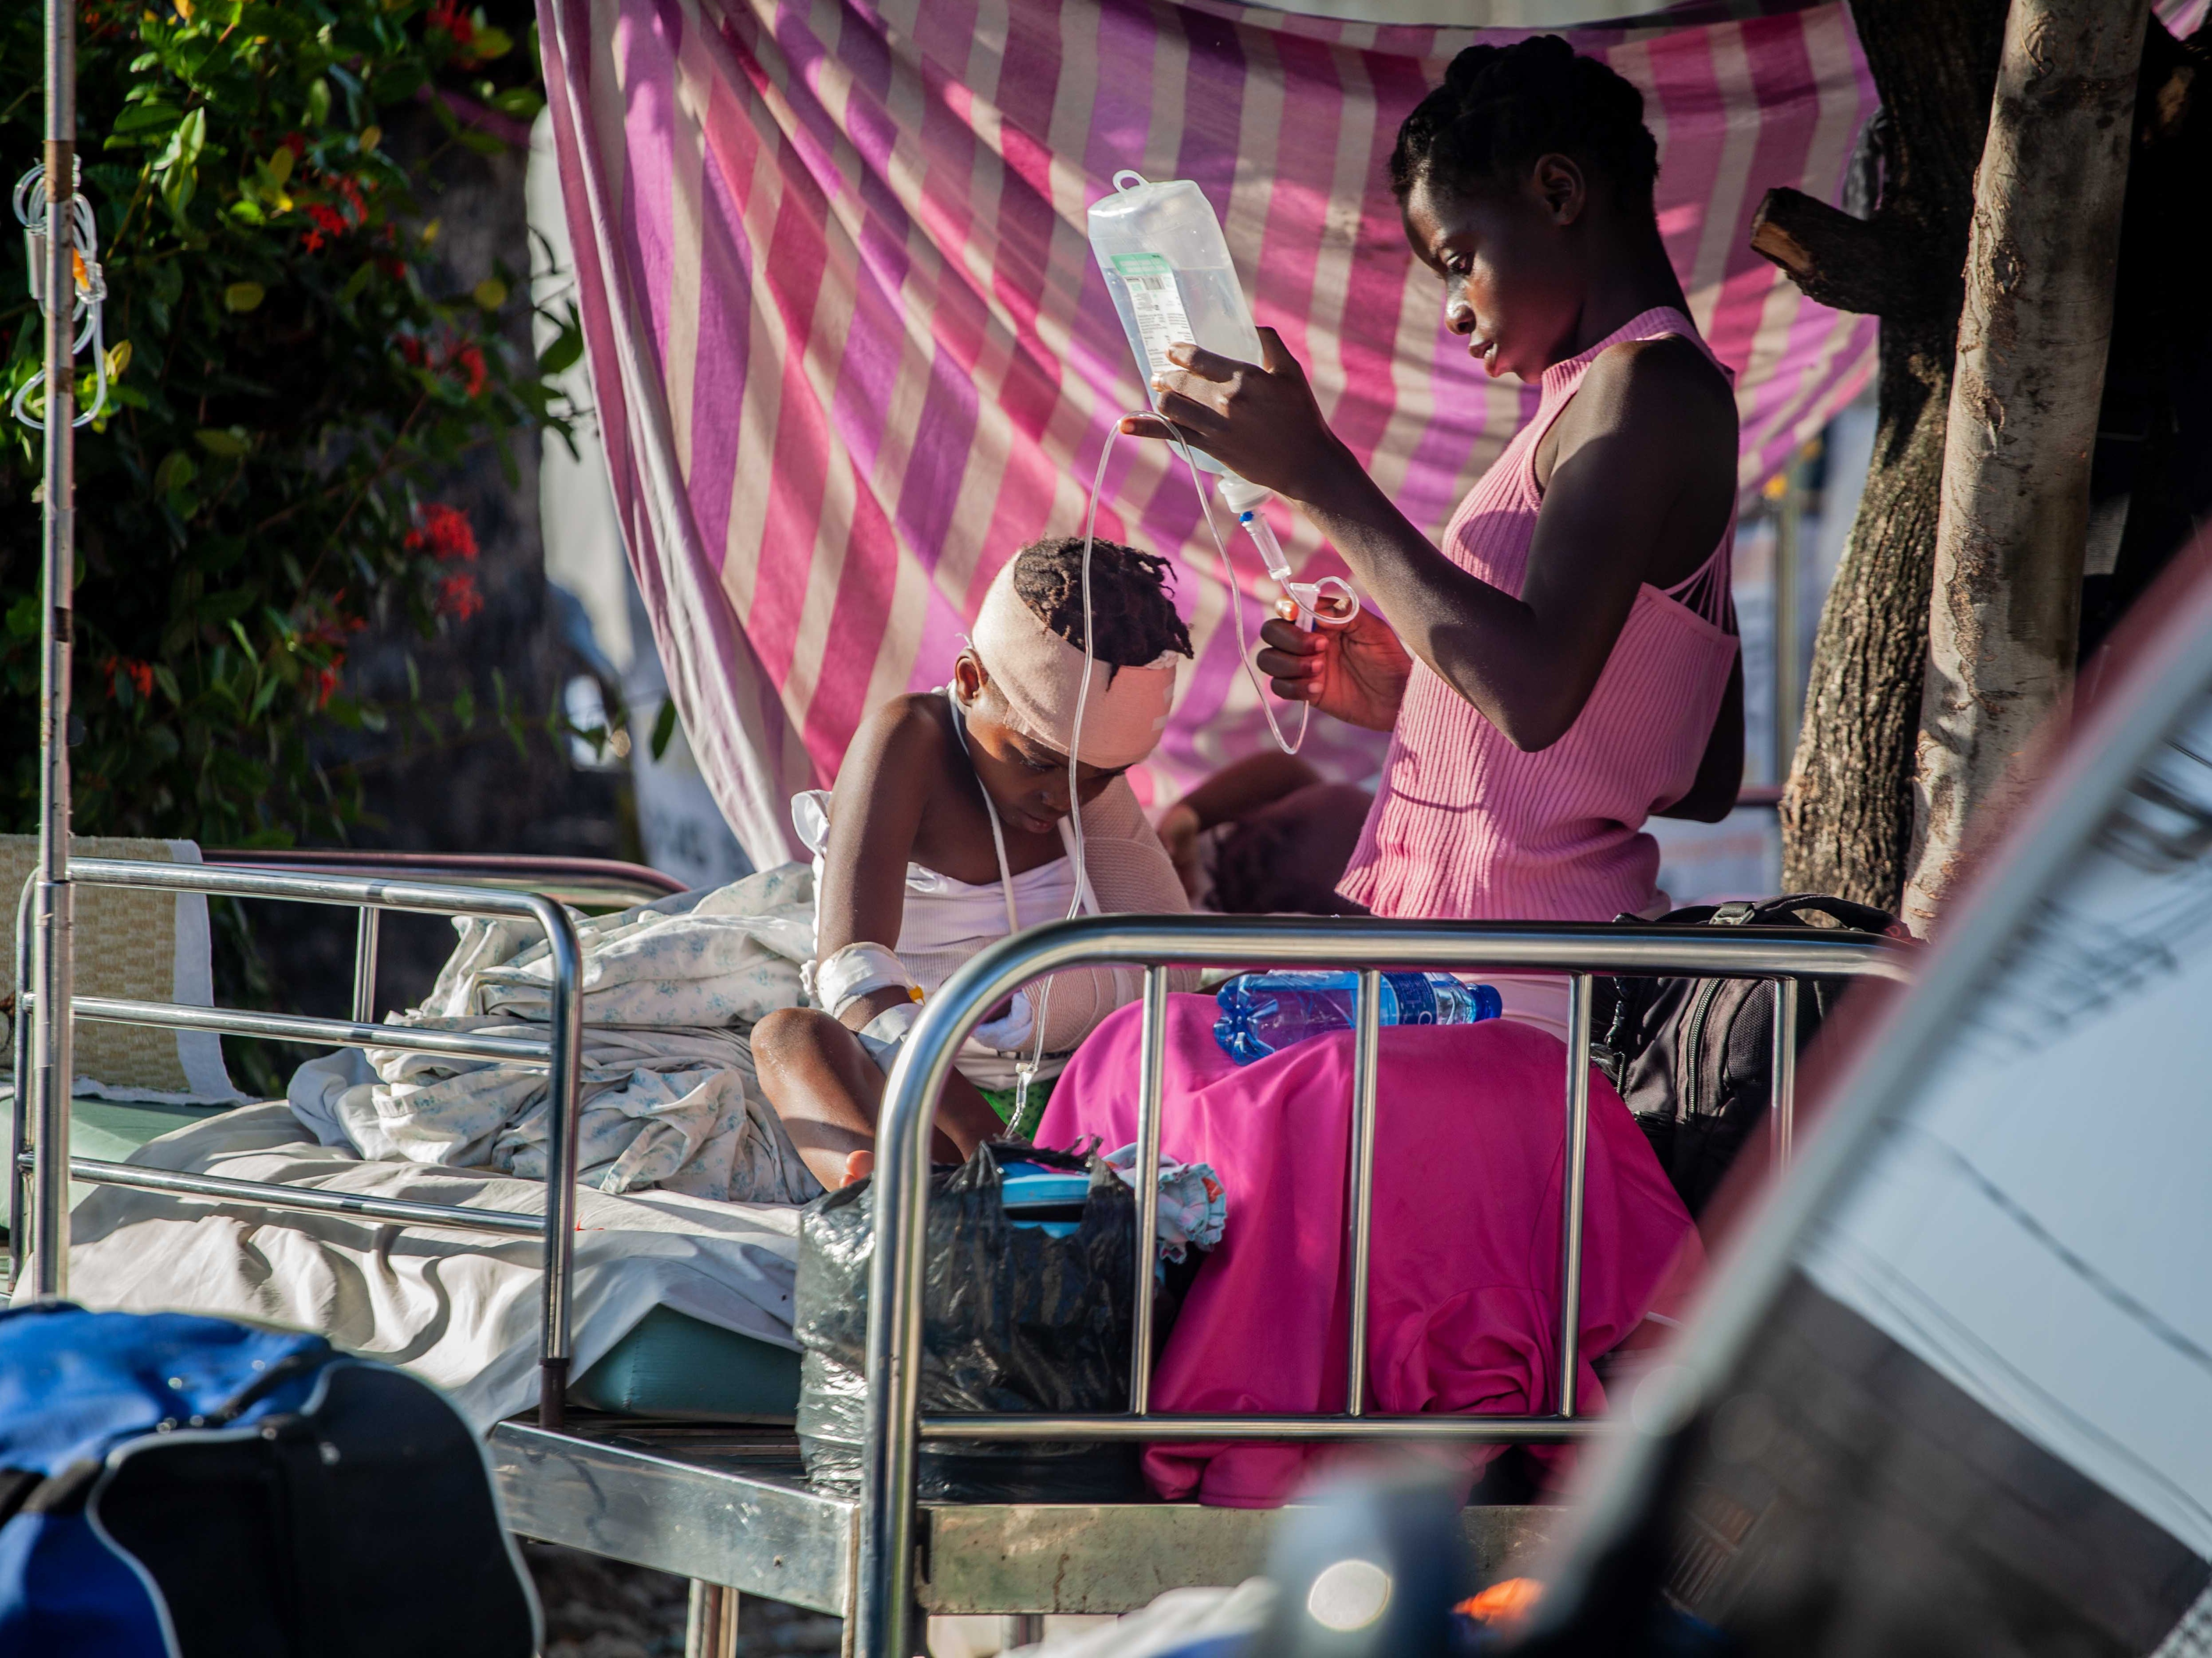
[{"x": 53, "y": 1068}]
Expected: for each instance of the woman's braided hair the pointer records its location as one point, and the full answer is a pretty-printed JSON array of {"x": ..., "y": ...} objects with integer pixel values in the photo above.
[
  {"x": 1501, "y": 108},
  {"x": 1136, "y": 620}
]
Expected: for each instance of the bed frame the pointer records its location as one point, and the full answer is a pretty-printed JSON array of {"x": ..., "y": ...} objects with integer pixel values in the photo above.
[{"x": 729, "y": 1507}]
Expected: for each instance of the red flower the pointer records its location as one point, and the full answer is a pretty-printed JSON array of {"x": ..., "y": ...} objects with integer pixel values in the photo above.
[
  {"x": 471, "y": 363},
  {"x": 329, "y": 631},
  {"x": 106, "y": 20},
  {"x": 297, "y": 144},
  {"x": 329, "y": 221},
  {"x": 448, "y": 16},
  {"x": 458, "y": 596},
  {"x": 120, "y": 668},
  {"x": 444, "y": 532},
  {"x": 463, "y": 359}
]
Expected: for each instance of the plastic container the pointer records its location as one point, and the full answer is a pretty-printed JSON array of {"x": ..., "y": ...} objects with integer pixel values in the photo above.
[
  {"x": 1263, "y": 1013},
  {"x": 1049, "y": 1199},
  {"x": 1167, "y": 268}
]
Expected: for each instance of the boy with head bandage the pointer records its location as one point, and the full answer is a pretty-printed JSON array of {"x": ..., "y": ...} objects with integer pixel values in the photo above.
[{"x": 952, "y": 826}]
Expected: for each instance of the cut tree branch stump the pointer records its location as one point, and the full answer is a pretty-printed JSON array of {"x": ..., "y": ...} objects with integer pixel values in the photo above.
[{"x": 1850, "y": 265}]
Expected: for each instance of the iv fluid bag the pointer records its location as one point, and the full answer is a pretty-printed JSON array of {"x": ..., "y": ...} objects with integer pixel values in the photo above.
[{"x": 1167, "y": 268}]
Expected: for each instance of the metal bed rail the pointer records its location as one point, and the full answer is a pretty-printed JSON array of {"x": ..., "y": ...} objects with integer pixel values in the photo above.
[
  {"x": 585, "y": 884},
  {"x": 882, "y": 1599},
  {"x": 50, "y": 1166}
]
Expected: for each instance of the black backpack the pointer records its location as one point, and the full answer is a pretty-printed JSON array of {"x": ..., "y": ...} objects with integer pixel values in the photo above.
[{"x": 1694, "y": 1058}]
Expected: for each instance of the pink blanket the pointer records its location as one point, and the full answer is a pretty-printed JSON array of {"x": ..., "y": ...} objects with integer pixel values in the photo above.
[{"x": 1469, "y": 1142}]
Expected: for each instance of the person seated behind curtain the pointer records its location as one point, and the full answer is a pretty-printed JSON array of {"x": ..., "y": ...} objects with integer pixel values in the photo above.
[
  {"x": 1265, "y": 835},
  {"x": 949, "y": 828}
]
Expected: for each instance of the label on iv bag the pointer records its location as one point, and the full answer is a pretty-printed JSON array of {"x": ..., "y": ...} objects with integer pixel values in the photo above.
[{"x": 1157, "y": 299}]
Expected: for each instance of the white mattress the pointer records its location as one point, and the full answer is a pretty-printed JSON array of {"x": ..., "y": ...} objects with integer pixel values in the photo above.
[{"x": 460, "y": 1309}]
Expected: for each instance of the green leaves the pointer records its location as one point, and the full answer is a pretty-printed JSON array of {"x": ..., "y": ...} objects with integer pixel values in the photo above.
[
  {"x": 186, "y": 140},
  {"x": 518, "y": 103},
  {"x": 567, "y": 347},
  {"x": 140, "y": 123},
  {"x": 246, "y": 514},
  {"x": 176, "y": 170},
  {"x": 175, "y": 473},
  {"x": 231, "y": 445}
]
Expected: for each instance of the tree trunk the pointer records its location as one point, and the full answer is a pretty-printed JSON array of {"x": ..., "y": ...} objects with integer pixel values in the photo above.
[
  {"x": 2025, "y": 395},
  {"x": 1847, "y": 811}
]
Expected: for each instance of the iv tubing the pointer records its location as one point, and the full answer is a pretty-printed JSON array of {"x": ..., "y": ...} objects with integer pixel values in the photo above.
[
  {"x": 1278, "y": 568},
  {"x": 1075, "y": 736},
  {"x": 88, "y": 293},
  {"x": 1236, "y": 610}
]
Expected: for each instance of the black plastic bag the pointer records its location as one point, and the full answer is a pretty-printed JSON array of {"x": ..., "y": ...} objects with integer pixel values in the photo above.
[{"x": 1013, "y": 1320}]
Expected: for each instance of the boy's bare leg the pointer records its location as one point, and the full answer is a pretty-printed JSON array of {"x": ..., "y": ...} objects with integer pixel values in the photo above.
[{"x": 829, "y": 1093}]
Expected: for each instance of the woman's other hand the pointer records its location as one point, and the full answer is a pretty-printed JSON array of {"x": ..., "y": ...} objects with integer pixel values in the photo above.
[
  {"x": 1179, "y": 830},
  {"x": 1357, "y": 672},
  {"x": 1259, "y": 420}
]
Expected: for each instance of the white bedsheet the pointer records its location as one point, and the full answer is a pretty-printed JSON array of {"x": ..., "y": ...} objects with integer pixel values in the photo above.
[
  {"x": 668, "y": 1095},
  {"x": 460, "y": 1309}
]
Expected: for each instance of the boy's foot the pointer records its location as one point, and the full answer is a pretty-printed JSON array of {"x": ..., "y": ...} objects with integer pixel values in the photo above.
[{"x": 858, "y": 1167}]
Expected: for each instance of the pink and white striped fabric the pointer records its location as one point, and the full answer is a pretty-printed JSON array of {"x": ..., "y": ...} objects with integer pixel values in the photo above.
[{"x": 851, "y": 350}]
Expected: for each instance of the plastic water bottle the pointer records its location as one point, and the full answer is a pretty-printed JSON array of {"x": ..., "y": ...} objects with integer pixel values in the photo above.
[
  {"x": 1167, "y": 265},
  {"x": 1263, "y": 1013}
]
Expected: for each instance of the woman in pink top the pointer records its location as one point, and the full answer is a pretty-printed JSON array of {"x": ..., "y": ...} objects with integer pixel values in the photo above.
[
  {"x": 1565, "y": 665},
  {"x": 1560, "y": 668}
]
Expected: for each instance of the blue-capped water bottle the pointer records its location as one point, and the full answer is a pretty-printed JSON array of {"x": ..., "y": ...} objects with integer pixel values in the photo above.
[{"x": 1263, "y": 1013}]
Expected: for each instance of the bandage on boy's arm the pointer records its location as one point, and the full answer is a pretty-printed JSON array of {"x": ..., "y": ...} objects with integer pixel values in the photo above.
[
  {"x": 875, "y": 812},
  {"x": 1131, "y": 874},
  {"x": 848, "y": 977}
]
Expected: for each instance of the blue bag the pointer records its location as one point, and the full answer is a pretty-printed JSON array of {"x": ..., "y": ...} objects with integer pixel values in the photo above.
[{"x": 174, "y": 1486}]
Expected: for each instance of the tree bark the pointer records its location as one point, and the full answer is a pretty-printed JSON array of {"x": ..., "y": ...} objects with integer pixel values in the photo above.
[
  {"x": 1847, "y": 810},
  {"x": 2025, "y": 394}
]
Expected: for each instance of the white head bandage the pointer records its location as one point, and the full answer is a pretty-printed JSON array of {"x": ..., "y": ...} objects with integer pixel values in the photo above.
[{"x": 1040, "y": 677}]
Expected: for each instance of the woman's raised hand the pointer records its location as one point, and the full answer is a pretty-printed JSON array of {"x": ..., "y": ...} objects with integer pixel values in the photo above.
[
  {"x": 1356, "y": 672},
  {"x": 1259, "y": 420}
]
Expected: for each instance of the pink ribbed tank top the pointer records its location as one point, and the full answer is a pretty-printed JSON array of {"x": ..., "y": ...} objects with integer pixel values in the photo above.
[{"x": 1467, "y": 826}]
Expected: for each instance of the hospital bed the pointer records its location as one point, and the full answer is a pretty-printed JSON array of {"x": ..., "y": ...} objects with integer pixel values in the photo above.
[{"x": 725, "y": 1502}]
